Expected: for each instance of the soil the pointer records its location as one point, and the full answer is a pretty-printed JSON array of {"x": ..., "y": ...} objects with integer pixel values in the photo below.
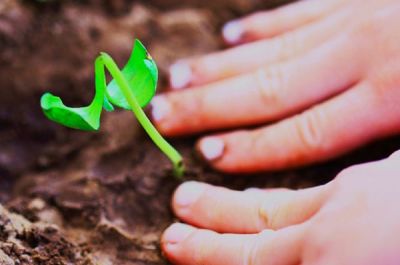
[{"x": 73, "y": 197}]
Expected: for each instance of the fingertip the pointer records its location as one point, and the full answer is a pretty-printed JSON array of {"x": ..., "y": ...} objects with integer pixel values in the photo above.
[
  {"x": 187, "y": 194},
  {"x": 232, "y": 152},
  {"x": 395, "y": 155},
  {"x": 225, "y": 152},
  {"x": 233, "y": 32},
  {"x": 211, "y": 148},
  {"x": 171, "y": 241},
  {"x": 176, "y": 233},
  {"x": 180, "y": 75},
  {"x": 159, "y": 108},
  {"x": 162, "y": 114}
]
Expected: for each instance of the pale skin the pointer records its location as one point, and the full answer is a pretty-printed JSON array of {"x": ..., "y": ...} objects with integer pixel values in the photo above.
[
  {"x": 318, "y": 78},
  {"x": 353, "y": 220},
  {"x": 324, "y": 75}
]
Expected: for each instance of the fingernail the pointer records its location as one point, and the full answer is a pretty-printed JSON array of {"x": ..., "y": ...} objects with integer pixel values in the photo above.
[
  {"x": 176, "y": 233},
  {"x": 160, "y": 108},
  {"x": 211, "y": 148},
  {"x": 188, "y": 193},
  {"x": 232, "y": 32},
  {"x": 180, "y": 75}
]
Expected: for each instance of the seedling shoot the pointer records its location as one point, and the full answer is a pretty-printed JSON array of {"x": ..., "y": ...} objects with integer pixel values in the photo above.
[{"x": 131, "y": 89}]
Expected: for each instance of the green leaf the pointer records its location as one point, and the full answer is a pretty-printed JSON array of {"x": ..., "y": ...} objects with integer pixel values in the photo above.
[
  {"x": 132, "y": 88},
  {"x": 107, "y": 105},
  {"x": 141, "y": 74},
  {"x": 84, "y": 118}
]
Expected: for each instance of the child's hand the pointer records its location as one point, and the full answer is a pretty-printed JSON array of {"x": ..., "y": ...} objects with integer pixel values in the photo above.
[
  {"x": 328, "y": 73},
  {"x": 354, "y": 219}
]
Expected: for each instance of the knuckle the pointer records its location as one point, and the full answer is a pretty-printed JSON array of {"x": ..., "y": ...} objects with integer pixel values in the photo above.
[
  {"x": 287, "y": 45},
  {"x": 250, "y": 252},
  {"x": 315, "y": 242},
  {"x": 253, "y": 248},
  {"x": 347, "y": 176},
  {"x": 362, "y": 31},
  {"x": 265, "y": 215},
  {"x": 382, "y": 86},
  {"x": 366, "y": 27},
  {"x": 316, "y": 235},
  {"x": 367, "y": 173},
  {"x": 395, "y": 155},
  {"x": 348, "y": 173},
  {"x": 309, "y": 129},
  {"x": 273, "y": 211},
  {"x": 269, "y": 84}
]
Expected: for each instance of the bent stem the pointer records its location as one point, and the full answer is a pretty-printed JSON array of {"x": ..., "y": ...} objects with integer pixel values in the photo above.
[{"x": 164, "y": 146}]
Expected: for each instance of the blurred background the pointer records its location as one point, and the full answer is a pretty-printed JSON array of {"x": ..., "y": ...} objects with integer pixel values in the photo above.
[{"x": 103, "y": 198}]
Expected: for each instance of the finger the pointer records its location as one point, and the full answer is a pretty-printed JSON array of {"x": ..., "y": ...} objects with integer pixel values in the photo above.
[
  {"x": 274, "y": 22},
  {"x": 247, "y": 57},
  {"x": 264, "y": 95},
  {"x": 225, "y": 210},
  {"x": 327, "y": 130},
  {"x": 183, "y": 244}
]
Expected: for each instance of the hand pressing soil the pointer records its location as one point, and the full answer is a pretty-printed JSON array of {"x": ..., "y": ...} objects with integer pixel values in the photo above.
[{"x": 103, "y": 198}]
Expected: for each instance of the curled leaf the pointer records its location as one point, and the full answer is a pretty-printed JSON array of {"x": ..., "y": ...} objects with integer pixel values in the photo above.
[
  {"x": 84, "y": 118},
  {"x": 141, "y": 74},
  {"x": 132, "y": 89}
]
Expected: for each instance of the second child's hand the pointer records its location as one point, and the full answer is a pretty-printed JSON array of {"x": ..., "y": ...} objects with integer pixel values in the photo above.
[{"x": 355, "y": 219}]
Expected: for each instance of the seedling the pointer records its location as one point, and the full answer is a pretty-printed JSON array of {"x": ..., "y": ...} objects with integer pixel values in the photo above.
[{"x": 131, "y": 89}]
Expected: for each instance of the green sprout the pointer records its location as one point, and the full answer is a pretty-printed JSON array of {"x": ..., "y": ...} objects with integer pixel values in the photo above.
[{"x": 131, "y": 89}]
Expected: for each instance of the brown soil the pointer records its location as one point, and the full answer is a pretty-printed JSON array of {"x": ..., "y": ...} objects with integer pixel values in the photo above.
[{"x": 103, "y": 198}]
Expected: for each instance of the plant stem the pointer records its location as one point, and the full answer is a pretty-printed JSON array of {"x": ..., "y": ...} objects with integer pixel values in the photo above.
[{"x": 165, "y": 147}]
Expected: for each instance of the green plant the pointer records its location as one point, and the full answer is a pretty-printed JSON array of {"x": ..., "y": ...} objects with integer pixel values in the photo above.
[{"x": 131, "y": 89}]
